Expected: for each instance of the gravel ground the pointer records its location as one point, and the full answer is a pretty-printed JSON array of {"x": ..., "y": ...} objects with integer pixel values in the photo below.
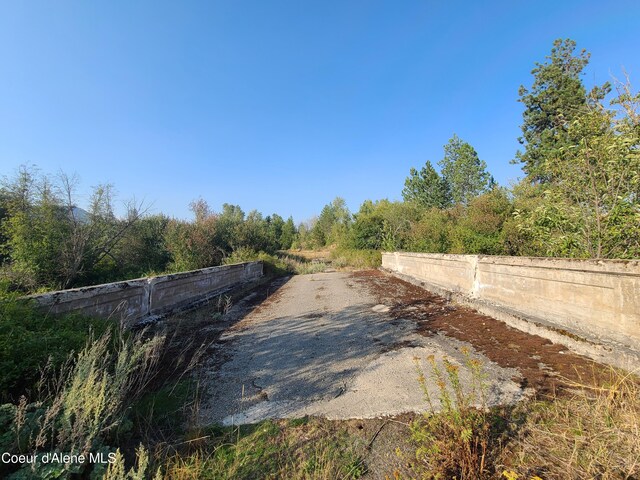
[{"x": 324, "y": 345}]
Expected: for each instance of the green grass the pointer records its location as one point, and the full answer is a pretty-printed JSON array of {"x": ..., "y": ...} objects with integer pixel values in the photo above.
[
  {"x": 164, "y": 410},
  {"x": 297, "y": 449}
]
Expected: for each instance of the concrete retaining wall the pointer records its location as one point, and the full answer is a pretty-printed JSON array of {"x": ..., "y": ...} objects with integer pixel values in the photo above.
[
  {"x": 595, "y": 299},
  {"x": 133, "y": 300}
]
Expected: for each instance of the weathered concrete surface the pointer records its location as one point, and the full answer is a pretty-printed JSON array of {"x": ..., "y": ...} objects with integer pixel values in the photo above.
[
  {"x": 171, "y": 292},
  {"x": 323, "y": 346},
  {"x": 133, "y": 300},
  {"x": 596, "y": 300}
]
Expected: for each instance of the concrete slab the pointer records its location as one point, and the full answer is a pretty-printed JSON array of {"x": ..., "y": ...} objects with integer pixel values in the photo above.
[{"x": 324, "y": 345}]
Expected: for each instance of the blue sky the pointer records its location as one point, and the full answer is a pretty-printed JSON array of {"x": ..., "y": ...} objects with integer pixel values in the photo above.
[{"x": 279, "y": 106}]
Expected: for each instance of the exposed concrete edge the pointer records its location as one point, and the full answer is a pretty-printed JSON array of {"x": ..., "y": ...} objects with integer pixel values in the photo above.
[
  {"x": 188, "y": 306},
  {"x": 142, "y": 311},
  {"x": 607, "y": 352}
]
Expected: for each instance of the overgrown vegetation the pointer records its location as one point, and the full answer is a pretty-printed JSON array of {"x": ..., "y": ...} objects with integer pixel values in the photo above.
[
  {"x": 82, "y": 408},
  {"x": 74, "y": 385},
  {"x": 592, "y": 433},
  {"x": 31, "y": 341},
  {"x": 460, "y": 436},
  {"x": 271, "y": 449}
]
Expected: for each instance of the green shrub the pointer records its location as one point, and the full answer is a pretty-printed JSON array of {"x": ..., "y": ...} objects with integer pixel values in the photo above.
[
  {"x": 273, "y": 265},
  {"x": 346, "y": 257},
  {"x": 31, "y": 340},
  {"x": 84, "y": 408}
]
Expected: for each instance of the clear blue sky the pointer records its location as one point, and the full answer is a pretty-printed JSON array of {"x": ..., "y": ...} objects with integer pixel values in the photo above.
[{"x": 279, "y": 106}]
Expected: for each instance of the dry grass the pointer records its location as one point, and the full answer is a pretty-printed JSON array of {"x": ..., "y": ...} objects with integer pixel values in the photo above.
[
  {"x": 359, "y": 259},
  {"x": 310, "y": 255},
  {"x": 594, "y": 433}
]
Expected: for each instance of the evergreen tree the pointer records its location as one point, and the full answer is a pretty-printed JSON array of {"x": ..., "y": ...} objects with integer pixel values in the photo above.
[
  {"x": 556, "y": 98},
  {"x": 426, "y": 188},
  {"x": 288, "y": 234},
  {"x": 464, "y": 172}
]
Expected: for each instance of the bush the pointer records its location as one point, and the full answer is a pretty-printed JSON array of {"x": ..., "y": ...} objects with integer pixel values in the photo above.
[
  {"x": 273, "y": 265},
  {"x": 85, "y": 406},
  {"x": 343, "y": 257},
  {"x": 31, "y": 340}
]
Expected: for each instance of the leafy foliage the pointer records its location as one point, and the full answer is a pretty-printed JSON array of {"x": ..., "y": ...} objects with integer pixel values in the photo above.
[
  {"x": 332, "y": 224},
  {"x": 30, "y": 339},
  {"x": 591, "y": 207},
  {"x": 52, "y": 242}
]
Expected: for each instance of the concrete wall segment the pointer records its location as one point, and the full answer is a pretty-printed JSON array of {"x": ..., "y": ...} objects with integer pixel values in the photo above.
[
  {"x": 595, "y": 298},
  {"x": 133, "y": 300}
]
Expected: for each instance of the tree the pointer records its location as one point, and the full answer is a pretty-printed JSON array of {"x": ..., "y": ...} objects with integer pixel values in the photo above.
[
  {"x": 50, "y": 240},
  {"x": 464, "y": 172},
  {"x": 477, "y": 228},
  {"x": 275, "y": 224},
  {"x": 426, "y": 188},
  {"x": 253, "y": 234},
  {"x": 332, "y": 224},
  {"x": 91, "y": 245},
  {"x": 200, "y": 209},
  {"x": 383, "y": 225},
  {"x": 591, "y": 208},
  {"x": 142, "y": 250},
  {"x": 196, "y": 244},
  {"x": 555, "y": 99},
  {"x": 229, "y": 222},
  {"x": 288, "y": 234},
  {"x": 36, "y": 230},
  {"x": 366, "y": 231}
]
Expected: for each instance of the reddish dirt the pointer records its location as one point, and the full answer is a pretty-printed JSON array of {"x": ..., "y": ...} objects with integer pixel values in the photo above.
[{"x": 547, "y": 367}]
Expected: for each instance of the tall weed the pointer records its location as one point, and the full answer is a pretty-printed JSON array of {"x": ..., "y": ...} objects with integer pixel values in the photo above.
[
  {"x": 457, "y": 436},
  {"x": 86, "y": 404}
]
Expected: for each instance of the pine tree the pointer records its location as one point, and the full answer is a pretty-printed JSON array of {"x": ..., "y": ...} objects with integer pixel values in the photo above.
[
  {"x": 464, "y": 172},
  {"x": 426, "y": 188},
  {"x": 555, "y": 99}
]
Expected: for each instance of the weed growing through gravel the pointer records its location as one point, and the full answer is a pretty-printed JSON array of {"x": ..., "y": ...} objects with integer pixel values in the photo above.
[{"x": 457, "y": 437}]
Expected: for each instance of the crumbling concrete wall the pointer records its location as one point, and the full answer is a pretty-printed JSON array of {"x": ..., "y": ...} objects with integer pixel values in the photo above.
[
  {"x": 594, "y": 299},
  {"x": 133, "y": 300}
]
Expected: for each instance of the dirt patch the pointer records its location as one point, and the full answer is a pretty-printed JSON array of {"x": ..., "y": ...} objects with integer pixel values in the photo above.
[{"x": 544, "y": 366}]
